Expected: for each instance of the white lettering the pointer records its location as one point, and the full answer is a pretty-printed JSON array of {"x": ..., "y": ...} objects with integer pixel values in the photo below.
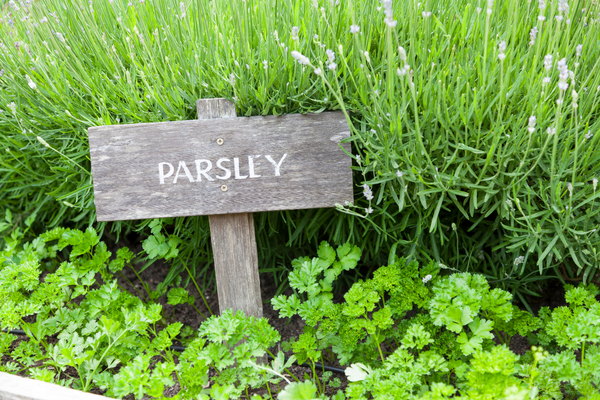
[
  {"x": 276, "y": 165},
  {"x": 251, "y": 166},
  {"x": 161, "y": 171},
  {"x": 185, "y": 170},
  {"x": 203, "y": 171},
  {"x": 227, "y": 171},
  {"x": 236, "y": 169}
]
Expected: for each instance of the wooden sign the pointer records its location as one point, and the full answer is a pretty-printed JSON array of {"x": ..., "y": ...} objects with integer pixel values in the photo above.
[
  {"x": 224, "y": 167},
  {"x": 220, "y": 166}
]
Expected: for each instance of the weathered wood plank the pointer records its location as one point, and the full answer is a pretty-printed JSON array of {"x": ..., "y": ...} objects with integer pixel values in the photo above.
[
  {"x": 233, "y": 241},
  {"x": 266, "y": 163},
  {"x": 236, "y": 263},
  {"x": 14, "y": 387}
]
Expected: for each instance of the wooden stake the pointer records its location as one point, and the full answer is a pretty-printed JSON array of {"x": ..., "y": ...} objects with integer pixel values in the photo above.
[{"x": 233, "y": 241}]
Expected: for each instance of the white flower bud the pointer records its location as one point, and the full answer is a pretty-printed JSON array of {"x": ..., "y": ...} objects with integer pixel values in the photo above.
[
  {"x": 531, "y": 127},
  {"x": 548, "y": 62},
  {"x": 330, "y": 55},
  {"x": 402, "y": 53},
  {"x": 300, "y": 58}
]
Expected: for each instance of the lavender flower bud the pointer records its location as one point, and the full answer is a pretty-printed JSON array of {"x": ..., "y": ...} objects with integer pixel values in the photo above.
[
  {"x": 563, "y": 6},
  {"x": 354, "y": 28},
  {"x": 42, "y": 141},
  {"x": 30, "y": 82},
  {"x": 548, "y": 62},
  {"x": 563, "y": 85},
  {"x": 502, "y": 46},
  {"x": 502, "y": 49},
  {"x": 519, "y": 260},
  {"x": 295, "y": 31},
  {"x": 533, "y": 35},
  {"x": 490, "y": 6},
  {"x": 589, "y": 135},
  {"x": 564, "y": 74},
  {"x": 330, "y": 55},
  {"x": 300, "y": 58},
  {"x": 367, "y": 192},
  {"x": 402, "y": 53},
  {"x": 532, "y": 120}
]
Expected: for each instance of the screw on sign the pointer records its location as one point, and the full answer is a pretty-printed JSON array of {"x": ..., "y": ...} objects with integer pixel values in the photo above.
[{"x": 227, "y": 168}]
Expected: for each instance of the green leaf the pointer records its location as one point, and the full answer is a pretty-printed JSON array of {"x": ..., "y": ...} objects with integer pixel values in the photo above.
[
  {"x": 299, "y": 391},
  {"x": 480, "y": 330},
  {"x": 152, "y": 245},
  {"x": 8, "y": 216},
  {"x": 457, "y": 318},
  {"x": 326, "y": 253},
  {"x": 349, "y": 256},
  {"x": 31, "y": 219},
  {"x": 177, "y": 296}
]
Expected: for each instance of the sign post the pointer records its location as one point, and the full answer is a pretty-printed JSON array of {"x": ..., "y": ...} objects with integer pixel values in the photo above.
[{"x": 227, "y": 168}]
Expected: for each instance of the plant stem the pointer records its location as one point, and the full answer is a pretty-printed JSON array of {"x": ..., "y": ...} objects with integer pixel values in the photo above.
[
  {"x": 197, "y": 287},
  {"x": 132, "y": 285},
  {"x": 146, "y": 288}
]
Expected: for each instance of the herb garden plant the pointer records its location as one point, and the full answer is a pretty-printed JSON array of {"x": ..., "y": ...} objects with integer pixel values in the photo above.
[
  {"x": 75, "y": 315},
  {"x": 476, "y": 157},
  {"x": 474, "y": 122}
]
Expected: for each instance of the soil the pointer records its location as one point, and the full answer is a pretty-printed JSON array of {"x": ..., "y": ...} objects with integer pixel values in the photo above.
[{"x": 156, "y": 273}]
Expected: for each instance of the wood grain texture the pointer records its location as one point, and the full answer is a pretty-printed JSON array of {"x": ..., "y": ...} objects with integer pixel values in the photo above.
[
  {"x": 236, "y": 263},
  {"x": 314, "y": 173},
  {"x": 14, "y": 387},
  {"x": 233, "y": 241}
]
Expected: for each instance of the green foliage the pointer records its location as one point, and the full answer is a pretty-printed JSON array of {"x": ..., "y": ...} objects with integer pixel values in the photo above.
[
  {"x": 100, "y": 329},
  {"x": 576, "y": 327},
  {"x": 231, "y": 344},
  {"x": 493, "y": 372},
  {"x": 179, "y": 296},
  {"x": 455, "y": 173},
  {"x": 352, "y": 330},
  {"x": 459, "y": 300},
  {"x": 299, "y": 391},
  {"x": 445, "y": 347},
  {"x": 442, "y": 349}
]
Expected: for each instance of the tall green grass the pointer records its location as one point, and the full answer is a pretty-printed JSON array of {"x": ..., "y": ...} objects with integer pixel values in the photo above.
[{"x": 478, "y": 191}]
